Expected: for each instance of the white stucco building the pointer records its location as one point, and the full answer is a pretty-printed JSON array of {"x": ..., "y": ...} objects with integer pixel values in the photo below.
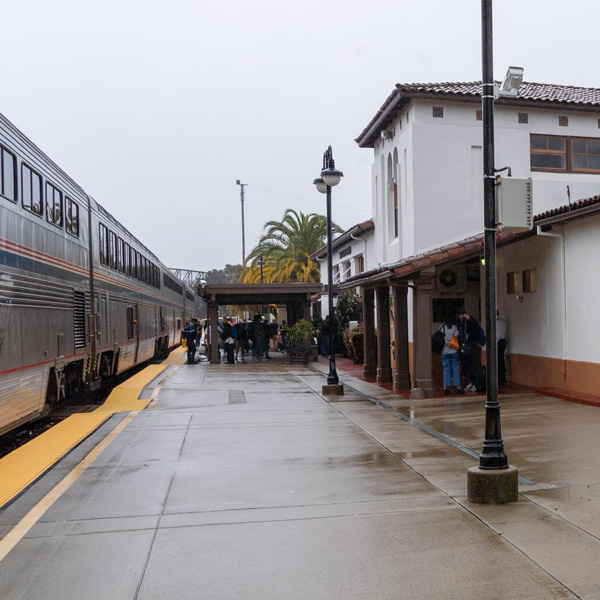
[
  {"x": 352, "y": 251},
  {"x": 427, "y": 201}
]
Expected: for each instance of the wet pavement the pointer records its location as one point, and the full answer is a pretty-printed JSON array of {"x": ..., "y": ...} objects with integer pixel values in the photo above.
[{"x": 242, "y": 481}]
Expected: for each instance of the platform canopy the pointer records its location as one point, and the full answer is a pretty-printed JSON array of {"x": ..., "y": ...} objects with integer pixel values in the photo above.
[
  {"x": 296, "y": 297},
  {"x": 258, "y": 293}
]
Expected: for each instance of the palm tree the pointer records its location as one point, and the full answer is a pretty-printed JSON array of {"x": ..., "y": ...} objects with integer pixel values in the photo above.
[{"x": 286, "y": 247}]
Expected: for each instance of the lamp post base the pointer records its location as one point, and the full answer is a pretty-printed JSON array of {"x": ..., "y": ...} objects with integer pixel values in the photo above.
[
  {"x": 493, "y": 486},
  {"x": 335, "y": 389}
]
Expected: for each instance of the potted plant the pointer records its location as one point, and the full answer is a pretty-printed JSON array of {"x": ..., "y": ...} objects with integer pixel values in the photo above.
[{"x": 299, "y": 339}]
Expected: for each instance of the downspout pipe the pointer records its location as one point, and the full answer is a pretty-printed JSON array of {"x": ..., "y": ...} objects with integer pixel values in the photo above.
[
  {"x": 365, "y": 243},
  {"x": 561, "y": 237}
]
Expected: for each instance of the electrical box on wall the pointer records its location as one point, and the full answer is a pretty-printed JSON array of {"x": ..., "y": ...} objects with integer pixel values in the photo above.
[{"x": 514, "y": 204}]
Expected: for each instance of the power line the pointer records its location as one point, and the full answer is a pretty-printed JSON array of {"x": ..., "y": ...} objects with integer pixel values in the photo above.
[{"x": 306, "y": 199}]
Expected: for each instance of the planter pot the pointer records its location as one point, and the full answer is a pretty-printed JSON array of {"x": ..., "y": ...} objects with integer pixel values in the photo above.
[{"x": 300, "y": 360}]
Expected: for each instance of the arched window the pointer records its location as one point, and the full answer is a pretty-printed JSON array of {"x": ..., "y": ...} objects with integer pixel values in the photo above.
[
  {"x": 392, "y": 200},
  {"x": 395, "y": 191}
]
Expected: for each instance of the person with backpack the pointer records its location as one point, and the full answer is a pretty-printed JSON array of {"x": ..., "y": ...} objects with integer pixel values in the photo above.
[
  {"x": 468, "y": 336},
  {"x": 189, "y": 333},
  {"x": 451, "y": 355}
]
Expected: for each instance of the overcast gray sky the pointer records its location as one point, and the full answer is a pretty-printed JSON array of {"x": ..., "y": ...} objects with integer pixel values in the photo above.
[{"x": 156, "y": 108}]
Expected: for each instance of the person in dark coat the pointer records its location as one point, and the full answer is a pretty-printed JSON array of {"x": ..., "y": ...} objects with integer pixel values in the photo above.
[
  {"x": 228, "y": 341},
  {"x": 189, "y": 333}
]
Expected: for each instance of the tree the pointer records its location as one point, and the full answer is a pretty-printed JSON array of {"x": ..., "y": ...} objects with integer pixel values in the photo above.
[
  {"x": 286, "y": 247},
  {"x": 228, "y": 274}
]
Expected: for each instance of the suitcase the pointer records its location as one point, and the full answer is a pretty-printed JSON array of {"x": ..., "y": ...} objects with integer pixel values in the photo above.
[{"x": 480, "y": 379}]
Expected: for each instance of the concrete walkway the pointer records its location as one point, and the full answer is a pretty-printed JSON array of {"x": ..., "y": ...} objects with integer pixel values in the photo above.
[{"x": 241, "y": 481}]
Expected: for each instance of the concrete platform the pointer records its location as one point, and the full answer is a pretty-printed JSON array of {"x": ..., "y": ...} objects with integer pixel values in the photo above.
[{"x": 243, "y": 481}]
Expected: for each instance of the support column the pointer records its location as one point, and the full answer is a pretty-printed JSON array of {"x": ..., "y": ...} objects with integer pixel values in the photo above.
[
  {"x": 384, "y": 363},
  {"x": 213, "y": 321},
  {"x": 422, "y": 319},
  {"x": 306, "y": 309},
  {"x": 369, "y": 349},
  {"x": 400, "y": 303}
]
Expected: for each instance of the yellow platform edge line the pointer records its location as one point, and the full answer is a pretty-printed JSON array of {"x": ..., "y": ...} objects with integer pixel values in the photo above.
[{"x": 25, "y": 464}]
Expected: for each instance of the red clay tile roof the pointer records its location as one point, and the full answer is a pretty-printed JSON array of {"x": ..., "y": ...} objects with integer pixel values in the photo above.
[
  {"x": 357, "y": 229},
  {"x": 473, "y": 246},
  {"x": 542, "y": 93}
]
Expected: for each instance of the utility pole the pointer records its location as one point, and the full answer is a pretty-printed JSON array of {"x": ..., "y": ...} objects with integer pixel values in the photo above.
[{"x": 238, "y": 182}]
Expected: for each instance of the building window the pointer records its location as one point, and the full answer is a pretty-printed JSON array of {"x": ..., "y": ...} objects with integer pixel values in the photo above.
[
  {"x": 530, "y": 280},
  {"x": 478, "y": 115},
  {"x": 103, "y": 242},
  {"x": 54, "y": 202},
  {"x": 561, "y": 153},
  {"x": 31, "y": 189},
  {"x": 523, "y": 118},
  {"x": 112, "y": 249},
  {"x": 548, "y": 152},
  {"x": 585, "y": 154},
  {"x": 346, "y": 270},
  {"x": 563, "y": 121},
  {"x": 336, "y": 273},
  {"x": 514, "y": 283},
  {"x": 359, "y": 264},
  {"x": 438, "y": 112},
  {"x": 72, "y": 217},
  {"x": 8, "y": 174}
]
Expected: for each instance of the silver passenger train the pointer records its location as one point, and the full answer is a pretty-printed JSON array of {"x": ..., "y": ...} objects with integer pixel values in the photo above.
[{"x": 59, "y": 249}]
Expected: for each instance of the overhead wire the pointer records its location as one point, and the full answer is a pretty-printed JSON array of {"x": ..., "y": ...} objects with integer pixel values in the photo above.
[{"x": 306, "y": 199}]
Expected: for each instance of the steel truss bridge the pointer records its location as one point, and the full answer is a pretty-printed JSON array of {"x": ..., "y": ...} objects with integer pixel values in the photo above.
[{"x": 188, "y": 276}]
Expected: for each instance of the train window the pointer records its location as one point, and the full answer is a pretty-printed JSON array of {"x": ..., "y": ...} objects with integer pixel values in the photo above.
[
  {"x": 126, "y": 255},
  {"x": 54, "y": 205},
  {"x": 31, "y": 186},
  {"x": 112, "y": 249},
  {"x": 120, "y": 254},
  {"x": 103, "y": 240},
  {"x": 130, "y": 329},
  {"x": 8, "y": 177},
  {"x": 138, "y": 266},
  {"x": 72, "y": 217}
]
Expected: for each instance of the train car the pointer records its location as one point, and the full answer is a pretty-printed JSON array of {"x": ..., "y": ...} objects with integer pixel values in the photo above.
[{"x": 81, "y": 299}]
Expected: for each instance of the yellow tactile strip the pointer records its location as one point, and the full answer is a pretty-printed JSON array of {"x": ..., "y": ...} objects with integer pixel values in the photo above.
[{"x": 24, "y": 465}]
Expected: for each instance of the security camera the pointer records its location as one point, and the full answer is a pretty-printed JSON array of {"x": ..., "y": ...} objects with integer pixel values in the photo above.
[{"x": 512, "y": 82}]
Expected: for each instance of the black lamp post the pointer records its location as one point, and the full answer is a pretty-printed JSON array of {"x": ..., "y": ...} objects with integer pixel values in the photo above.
[
  {"x": 330, "y": 176},
  {"x": 492, "y": 455}
]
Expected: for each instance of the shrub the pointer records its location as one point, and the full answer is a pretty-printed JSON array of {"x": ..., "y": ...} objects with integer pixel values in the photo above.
[{"x": 300, "y": 334}]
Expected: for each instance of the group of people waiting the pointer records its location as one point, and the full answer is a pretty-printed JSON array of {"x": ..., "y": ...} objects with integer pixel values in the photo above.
[
  {"x": 237, "y": 339},
  {"x": 462, "y": 334}
]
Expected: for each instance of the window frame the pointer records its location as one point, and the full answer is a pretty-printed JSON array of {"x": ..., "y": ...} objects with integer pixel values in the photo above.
[
  {"x": 112, "y": 249},
  {"x": 574, "y": 169},
  {"x": 32, "y": 172},
  {"x": 546, "y": 152},
  {"x": 568, "y": 154},
  {"x": 103, "y": 241},
  {"x": 54, "y": 190},
  {"x": 3, "y": 151},
  {"x": 69, "y": 203}
]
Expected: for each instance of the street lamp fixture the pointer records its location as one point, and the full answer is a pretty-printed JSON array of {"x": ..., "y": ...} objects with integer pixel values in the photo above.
[{"x": 330, "y": 177}]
